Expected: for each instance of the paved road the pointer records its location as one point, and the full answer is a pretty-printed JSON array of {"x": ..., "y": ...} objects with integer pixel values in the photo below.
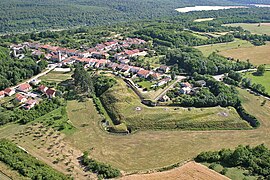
[
  {"x": 219, "y": 77},
  {"x": 49, "y": 68},
  {"x": 178, "y": 79}
]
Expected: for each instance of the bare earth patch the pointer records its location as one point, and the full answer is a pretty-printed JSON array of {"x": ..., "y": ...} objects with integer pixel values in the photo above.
[{"x": 190, "y": 170}]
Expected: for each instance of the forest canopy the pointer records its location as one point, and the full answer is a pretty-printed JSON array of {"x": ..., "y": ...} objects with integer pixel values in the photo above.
[{"x": 19, "y": 15}]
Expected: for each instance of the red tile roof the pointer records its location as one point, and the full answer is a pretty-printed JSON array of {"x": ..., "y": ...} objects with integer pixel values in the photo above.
[
  {"x": 50, "y": 92},
  {"x": 42, "y": 88},
  {"x": 31, "y": 102},
  {"x": 19, "y": 97},
  {"x": 156, "y": 75},
  {"x": 125, "y": 68},
  {"x": 24, "y": 87},
  {"x": 2, "y": 93},
  {"x": 143, "y": 73},
  {"x": 7, "y": 90}
]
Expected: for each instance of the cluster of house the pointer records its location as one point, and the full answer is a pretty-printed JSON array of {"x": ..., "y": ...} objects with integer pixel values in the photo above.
[
  {"x": 100, "y": 51},
  {"x": 49, "y": 92},
  {"x": 187, "y": 88},
  {"x": 24, "y": 97},
  {"x": 122, "y": 67}
]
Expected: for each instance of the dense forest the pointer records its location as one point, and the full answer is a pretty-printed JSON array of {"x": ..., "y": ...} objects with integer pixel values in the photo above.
[
  {"x": 37, "y": 14},
  {"x": 256, "y": 160},
  {"x": 19, "y": 15}
]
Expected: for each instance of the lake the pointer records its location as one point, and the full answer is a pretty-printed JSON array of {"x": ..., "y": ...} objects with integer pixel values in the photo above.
[{"x": 206, "y": 8}]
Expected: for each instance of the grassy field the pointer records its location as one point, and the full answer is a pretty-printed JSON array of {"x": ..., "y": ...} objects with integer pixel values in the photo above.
[
  {"x": 57, "y": 77},
  {"x": 138, "y": 152},
  {"x": 256, "y": 54},
  {"x": 204, "y": 19},
  {"x": 220, "y": 47},
  {"x": 264, "y": 80},
  {"x": 264, "y": 28},
  {"x": 145, "y": 84},
  {"x": 198, "y": 35},
  {"x": 122, "y": 104}
]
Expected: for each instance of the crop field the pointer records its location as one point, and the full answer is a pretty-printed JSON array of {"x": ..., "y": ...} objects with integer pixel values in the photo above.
[
  {"x": 57, "y": 77},
  {"x": 264, "y": 28},
  {"x": 256, "y": 54},
  {"x": 190, "y": 170},
  {"x": 122, "y": 104},
  {"x": 221, "y": 47},
  {"x": 264, "y": 80}
]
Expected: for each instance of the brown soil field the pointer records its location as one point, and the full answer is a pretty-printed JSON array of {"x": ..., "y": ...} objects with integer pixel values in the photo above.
[
  {"x": 257, "y": 54},
  {"x": 190, "y": 170}
]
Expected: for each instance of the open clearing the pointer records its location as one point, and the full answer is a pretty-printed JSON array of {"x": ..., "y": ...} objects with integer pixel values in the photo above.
[
  {"x": 256, "y": 54},
  {"x": 221, "y": 47},
  {"x": 123, "y": 105},
  {"x": 204, "y": 19},
  {"x": 55, "y": 76},
  {"x": 264, "y": 80},
  {"x": 190, "y": 170},
  {"x": 254, "y": 28}
]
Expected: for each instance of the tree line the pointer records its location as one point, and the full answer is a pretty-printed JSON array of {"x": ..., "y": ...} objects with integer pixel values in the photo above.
[
  {"x": 191, "y": 60},
  {"x": 256, "y": 160},
  {"x": 103, "y": 170},
  {"x": 25, "y": 164}
]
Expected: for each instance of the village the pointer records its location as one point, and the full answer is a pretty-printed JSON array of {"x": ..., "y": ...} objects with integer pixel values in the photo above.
[{"x": 98, "y": 58}]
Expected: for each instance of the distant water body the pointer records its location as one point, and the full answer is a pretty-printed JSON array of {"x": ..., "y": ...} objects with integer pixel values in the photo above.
[
  {"x": 260, "y": 5},
  {"x": 206, "y": 8}
]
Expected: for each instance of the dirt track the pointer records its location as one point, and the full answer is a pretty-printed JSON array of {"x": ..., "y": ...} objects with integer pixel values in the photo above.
[{"x": 190, "y": 170}]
